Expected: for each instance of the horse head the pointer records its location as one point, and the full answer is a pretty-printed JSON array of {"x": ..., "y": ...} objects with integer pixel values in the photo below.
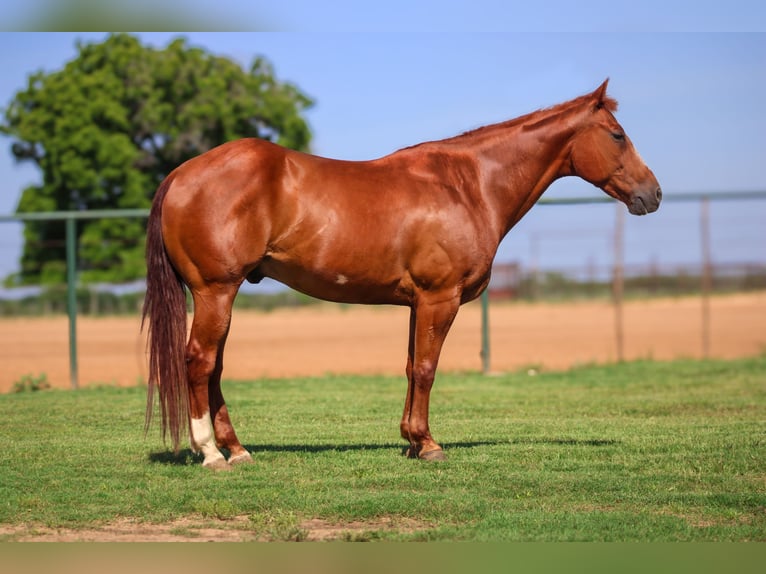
[{"x": 602, "y": 154}]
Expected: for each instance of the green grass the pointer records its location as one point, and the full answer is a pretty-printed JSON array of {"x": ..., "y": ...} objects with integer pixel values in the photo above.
[{"x": 642, "y": 451}]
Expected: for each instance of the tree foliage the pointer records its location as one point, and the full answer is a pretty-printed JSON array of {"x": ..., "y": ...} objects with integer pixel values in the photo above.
[{"x": 110, "y": 125}]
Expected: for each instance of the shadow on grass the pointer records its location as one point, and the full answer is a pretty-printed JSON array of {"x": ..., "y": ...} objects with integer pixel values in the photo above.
[
  {"x": 565, "y": 441},
  {"x": 186, "y": 457}
]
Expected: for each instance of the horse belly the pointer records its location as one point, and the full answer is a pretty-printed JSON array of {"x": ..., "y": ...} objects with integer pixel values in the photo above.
[{"x": 364, "y": 282}]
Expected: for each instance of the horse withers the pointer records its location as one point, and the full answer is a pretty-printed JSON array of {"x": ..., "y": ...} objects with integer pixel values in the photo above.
[{"x": 418, "y": 228}]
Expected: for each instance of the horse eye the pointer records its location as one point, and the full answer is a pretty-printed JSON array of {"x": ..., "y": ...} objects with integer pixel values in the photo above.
[{"x": 618, "y": 136}]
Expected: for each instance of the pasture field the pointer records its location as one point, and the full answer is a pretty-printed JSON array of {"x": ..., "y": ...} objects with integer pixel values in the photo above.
[{"x": 639, "y": 451}]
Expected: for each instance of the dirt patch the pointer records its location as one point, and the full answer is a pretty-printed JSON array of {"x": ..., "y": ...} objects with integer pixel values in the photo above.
[
  {"x": 373, "y": 340},
  {"x": 126, "y": 530},
  {"x": 357, "y": 530},
  {"x": 238, "y": 529}
]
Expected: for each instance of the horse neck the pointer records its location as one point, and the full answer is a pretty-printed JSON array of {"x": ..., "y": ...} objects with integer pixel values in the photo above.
[{"x": 520, "y": 159}]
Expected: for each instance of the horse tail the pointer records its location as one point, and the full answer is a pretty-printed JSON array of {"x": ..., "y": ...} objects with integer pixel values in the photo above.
[{"x": 165, "y": 305}]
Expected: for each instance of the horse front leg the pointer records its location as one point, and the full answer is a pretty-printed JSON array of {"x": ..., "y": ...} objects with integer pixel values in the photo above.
[
  {"x": 432, "y": 322},
  {"x": 404, "y": 426}
]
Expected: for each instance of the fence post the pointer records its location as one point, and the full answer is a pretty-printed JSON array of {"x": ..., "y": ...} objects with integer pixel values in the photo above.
[
  {"x": 71, "y": 288},
  {"x": 485, "y": 331},
  {"x": 707, "y": 279},
  {"x": 618, "y": 280}
]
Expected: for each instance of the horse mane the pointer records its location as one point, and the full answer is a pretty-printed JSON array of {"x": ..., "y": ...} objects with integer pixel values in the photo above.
[{"x": 542, "y": 116}]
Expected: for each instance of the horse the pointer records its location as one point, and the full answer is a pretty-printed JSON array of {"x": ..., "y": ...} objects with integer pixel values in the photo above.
[{"x": 419, "y": 228}]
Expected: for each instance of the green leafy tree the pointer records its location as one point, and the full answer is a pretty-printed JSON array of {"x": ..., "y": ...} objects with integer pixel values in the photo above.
[{"x": 109, "y": 126}]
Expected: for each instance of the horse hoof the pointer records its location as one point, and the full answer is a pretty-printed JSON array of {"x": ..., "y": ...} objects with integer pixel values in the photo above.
[
  {"x": 436, "y": 455},
  {"x": 217, "y": 465},
  {"x": 243, "y": 458}
]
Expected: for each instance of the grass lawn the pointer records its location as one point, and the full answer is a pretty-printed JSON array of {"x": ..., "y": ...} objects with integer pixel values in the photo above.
[{"x": 642, "y": 451}]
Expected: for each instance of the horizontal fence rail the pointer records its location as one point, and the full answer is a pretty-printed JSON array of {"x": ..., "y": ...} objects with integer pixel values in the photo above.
[
  {"x": 71, "y": 218},
  {"x": 76, "y": 215},
  {"x": 144, "y": 213},
  {"x": 667, "y": 198}
]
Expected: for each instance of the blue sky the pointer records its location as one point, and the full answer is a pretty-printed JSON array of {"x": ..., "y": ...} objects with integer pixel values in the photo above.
[
  {"x": 419, "y": 16},
  {"x": 693, "y": 103}
]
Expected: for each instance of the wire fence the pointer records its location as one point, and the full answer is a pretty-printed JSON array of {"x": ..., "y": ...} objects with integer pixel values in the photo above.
[{"x": 604, "y": 273}]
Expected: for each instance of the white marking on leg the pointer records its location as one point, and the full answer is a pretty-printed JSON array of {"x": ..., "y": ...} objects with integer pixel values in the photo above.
[{"x": 202, "y": 440}]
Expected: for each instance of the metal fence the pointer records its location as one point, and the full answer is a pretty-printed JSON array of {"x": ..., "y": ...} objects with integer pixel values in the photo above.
[
  {"x": 71, "y": 218},
  {"x": 617, "y": 269},
  {"x": 508, "y": 277}
]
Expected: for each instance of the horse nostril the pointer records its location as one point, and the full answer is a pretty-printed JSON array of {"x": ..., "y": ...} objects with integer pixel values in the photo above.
[{"x": 659, "y": 194}]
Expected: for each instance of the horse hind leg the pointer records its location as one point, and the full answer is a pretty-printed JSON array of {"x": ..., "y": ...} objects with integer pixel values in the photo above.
[
  {"x": 210, "y": 425},
  {"x": 225, "y": 437}
]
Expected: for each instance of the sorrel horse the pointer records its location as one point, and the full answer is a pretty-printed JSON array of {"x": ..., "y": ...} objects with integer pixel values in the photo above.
[{"x": 419, "y": 227}]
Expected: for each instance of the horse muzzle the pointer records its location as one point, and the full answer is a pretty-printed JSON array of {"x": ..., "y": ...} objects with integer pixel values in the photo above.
[{"x": 645, "y": 201}]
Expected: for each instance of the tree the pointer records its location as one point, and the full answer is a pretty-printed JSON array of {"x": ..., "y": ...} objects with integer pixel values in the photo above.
[{"x": 109, "y": 126}]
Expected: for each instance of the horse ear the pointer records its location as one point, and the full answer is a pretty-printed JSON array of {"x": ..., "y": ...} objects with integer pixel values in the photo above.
[
  {"x": 602, "y": 100},
  {"x": 600, "y": 94}
]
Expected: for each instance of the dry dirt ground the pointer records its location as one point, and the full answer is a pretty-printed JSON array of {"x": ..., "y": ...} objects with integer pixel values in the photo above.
[
  {"x": 235, "y": 529},
  {"x": 330, "y": 339}
]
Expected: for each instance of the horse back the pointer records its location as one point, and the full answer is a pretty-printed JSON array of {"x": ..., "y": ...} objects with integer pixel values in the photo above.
[{"x": 371, "y": 231}]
